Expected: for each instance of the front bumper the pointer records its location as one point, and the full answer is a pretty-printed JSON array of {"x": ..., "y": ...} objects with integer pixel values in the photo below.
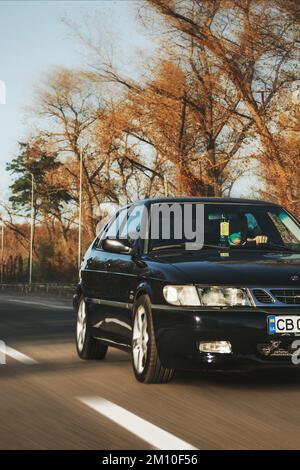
[{"x": 179, "y": 330}]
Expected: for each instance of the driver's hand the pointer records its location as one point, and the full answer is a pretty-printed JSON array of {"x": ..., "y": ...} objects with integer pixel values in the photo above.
[{"x": 260, "y": 239}]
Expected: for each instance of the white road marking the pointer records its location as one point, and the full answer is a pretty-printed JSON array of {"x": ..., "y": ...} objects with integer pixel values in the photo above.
[
  {"x": 141, "y": 428},
  {"x": 13, "y": 353},
  {"x": 2, "y": 352},
  {"x": 29, "y": 302}
]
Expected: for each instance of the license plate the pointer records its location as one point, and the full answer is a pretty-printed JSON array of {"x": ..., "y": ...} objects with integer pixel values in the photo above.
[{"x": 283, "y": 324}]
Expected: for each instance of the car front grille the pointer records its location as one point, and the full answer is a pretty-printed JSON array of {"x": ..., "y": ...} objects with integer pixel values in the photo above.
[
  {"x": 262, "y": 296},
  {"x": 275, "y": 297},
  {"x": 287, "y": 296}
]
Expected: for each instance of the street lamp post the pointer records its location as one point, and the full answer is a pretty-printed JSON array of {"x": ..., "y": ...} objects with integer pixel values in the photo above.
[
  {"x": 31, "y": 231},
  {"x": 80, "y": 212},
  {"x": 2, "y": 250},
  {"x": 166, "y": 186}
]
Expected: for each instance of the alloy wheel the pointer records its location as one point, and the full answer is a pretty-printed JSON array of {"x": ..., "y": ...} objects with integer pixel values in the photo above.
[
  {"x": 140, "y": 340},
  {"x": 81, "y": 325}
]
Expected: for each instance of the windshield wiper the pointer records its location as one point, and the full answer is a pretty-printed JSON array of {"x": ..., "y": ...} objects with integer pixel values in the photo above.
[
  {"x": 216, "y": 247},
  {"x": 220, "y": 247},
  {"x": 168, "y": 247},
  {"x": 183, "y": 245}
]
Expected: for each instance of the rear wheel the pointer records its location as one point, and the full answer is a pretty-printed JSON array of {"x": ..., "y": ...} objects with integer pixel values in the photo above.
[
  {"x": 145, "y": 361},
  {"x": 87, "y": 346}
]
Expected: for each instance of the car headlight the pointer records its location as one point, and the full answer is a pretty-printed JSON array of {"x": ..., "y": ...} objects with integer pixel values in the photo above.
[
  {"x": 181, "y": 295},
  {"x": 223, "y": 296}
]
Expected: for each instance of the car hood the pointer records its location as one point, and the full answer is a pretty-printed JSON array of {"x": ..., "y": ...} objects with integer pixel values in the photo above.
[{"x": 235, "y": 268}]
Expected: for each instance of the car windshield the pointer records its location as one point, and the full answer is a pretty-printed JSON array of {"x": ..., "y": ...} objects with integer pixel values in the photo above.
[{"x": 230, "y": 226}]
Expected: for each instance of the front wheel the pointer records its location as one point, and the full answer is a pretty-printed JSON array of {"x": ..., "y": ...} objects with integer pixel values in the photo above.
[
  {"x": 87, "y": 346},
  {"x": 145, "y": 361}
]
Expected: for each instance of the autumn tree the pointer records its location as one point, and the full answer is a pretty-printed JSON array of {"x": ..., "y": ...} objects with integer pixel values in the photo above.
[
  {"x": 125, "y": 155},
  {"x": 255, "y": 43},
  {"x": 190, "y": 115},
  {"x": 70, "y": 105},
  {"x": 286, "y": 120}
]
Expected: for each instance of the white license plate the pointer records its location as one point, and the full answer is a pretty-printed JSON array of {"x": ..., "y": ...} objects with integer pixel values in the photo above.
[{"x": 283, "y": 324}]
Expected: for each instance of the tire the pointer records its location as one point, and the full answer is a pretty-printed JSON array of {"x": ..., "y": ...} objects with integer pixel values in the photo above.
[
  {"x": 145, "y": 361},
  {"x": 87, "y": 346}
]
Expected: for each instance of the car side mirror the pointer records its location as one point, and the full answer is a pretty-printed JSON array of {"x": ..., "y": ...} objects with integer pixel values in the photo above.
[{"x": 116, "y": 246}]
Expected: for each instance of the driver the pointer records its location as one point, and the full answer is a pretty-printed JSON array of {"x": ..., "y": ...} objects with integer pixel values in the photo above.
[{"x": 239, "y": 233}]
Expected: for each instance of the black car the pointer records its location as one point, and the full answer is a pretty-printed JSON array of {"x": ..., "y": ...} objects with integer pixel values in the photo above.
[{"x": 228, "y": 302}]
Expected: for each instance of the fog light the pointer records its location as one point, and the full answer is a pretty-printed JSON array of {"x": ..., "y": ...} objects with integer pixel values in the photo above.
[{"x": 222, "y": 347}]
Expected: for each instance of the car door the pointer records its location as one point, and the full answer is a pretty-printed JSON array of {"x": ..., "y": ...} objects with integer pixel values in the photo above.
[
  {"x": 126, "y": 272},
  {"x": 96, "y": 280}
]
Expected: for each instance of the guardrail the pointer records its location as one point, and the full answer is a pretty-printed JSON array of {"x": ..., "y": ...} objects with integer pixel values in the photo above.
[{"x": 62, "y": 290}]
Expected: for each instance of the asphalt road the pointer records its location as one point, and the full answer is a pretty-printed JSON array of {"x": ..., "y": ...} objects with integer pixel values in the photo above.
[{"x": 50, "y": 399}]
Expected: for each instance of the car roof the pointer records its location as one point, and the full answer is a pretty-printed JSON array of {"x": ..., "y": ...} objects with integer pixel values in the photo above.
[{"x": 208, "y": 200}]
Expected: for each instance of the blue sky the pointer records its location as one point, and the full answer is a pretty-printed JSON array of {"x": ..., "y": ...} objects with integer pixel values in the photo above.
[{"x": 33, "y": 39}]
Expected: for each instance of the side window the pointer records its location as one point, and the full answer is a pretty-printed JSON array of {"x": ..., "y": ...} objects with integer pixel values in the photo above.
[
  {"x": 130, "y": 229},
  {"x": 112, "y": 228},
  {"x": 281, "y": 222}
]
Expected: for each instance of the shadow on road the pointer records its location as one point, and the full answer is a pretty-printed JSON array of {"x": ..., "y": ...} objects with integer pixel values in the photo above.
[
  {"x": 264, "y": 379},
  {"x": 252, "y": 379}
]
